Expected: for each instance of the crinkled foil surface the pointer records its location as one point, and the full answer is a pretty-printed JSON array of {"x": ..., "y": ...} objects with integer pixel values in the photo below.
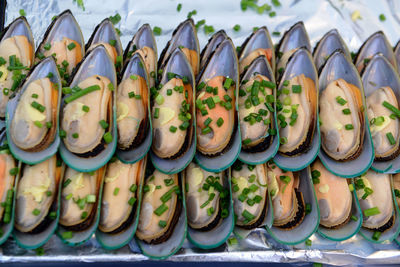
[{"x": 319, "y": 16}]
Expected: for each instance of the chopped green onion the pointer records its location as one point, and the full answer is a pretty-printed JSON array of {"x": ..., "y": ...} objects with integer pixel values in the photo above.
[
  {"x": 349, "y": 127},
  {"x": 157, "y": 30},
  {"x": 391, "y": 139},
  {"x": 372, "y": 211},
  {"x": 161, "y": 209},
  {"x": 81, "y": 93},
  {"x": 71, "y": 46}
]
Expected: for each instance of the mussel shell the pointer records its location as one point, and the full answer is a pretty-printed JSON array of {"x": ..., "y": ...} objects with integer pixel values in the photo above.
[
  {"x": 80, "y": 236},
  {"x": 7, "y": 228},
  {"x": 212, "y": 44},
  {"x": 380, "y": 73},
  {"x": 301, "y": 63},
  {"x": 223, "y": 63},
  {"x": 376, "y": 43},
  {"x": 392, "y": 228},
  {"x": 271, "y": 143},
  {"x": 49, "y": 225},
  {"x": 258, "y": 39},
  {"x": 220, "y": 229},
  {"x": 63, "y": 25},
  {"x": 185, "y": 35},
  {"x": 310, "y": 223},
  {"x": 178, "y": 64},
  {"x": 292, "y": 39},
  {"x": 142, "y": 142},
  {"x": 120, "y": 239},
  {"x": 338, "y": 66},
  {"x": 349, "y": 229},
  {"x": 97, "y": 62},
  {"x": 144, "y": 37},
  {"x": 328, "y": 44},
  {"x": 51, "y": 141},
  {"x": 105, "y": 33},
  {"x": 397, "y": 55}
]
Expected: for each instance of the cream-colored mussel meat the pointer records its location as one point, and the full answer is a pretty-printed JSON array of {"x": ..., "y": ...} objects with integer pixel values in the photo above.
[
  {"x": 78, "y": 198},
  {"x": 37, "y": 190},
  {"x": 287, "y": 200},
  {"x": 34, "y": 124},
  {"x": 16, "y": 52},
  {"x": 384, "y": 126},
  {"x": 297, "y": 117},
  {"x": 374, "y": 194},
  {"x": 205, "y": 197},
  {"x": 172, "y": 119},
  {"x": 342, "y": 121},
  {"x": 250, "y": 194},
  {"x": 119, "y": 197},
  {"x": 333, "y": 195},
  {"x": 256, "y": 100},
  {"x": 150, "y": 60},
  {"x": 132, "y": 113},
  {"x": 245, "y": 62},
  {"x": 86, "y": 118},
  {"x": 160, "y": 209}
]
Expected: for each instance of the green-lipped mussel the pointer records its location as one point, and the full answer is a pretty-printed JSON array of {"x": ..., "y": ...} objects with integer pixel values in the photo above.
[{"x": 8, "y": 171}]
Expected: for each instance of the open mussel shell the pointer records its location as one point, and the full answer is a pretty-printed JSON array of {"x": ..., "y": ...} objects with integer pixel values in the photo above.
[
  {"x": 36, "y": 240},
  {"x": 339, "y": 67},
  {"x": 261, "y": 66},
  {"x": 224, "y": 63},
  {"x": 135, "y": 67},
  {"x": 393, "y": 232},
  {"x": 106, "y": 35},
  {"x": 219, "y": 234},
  {"x": 380, "y": 73},
  {"x": 310, "y": 223},
  {"x": 63, "y": 28},
  {"x": 258, "y": 43},
  {"x": 41, "y": 71},
  {"x": 350, "y": 228},
  {"x": 120, "y": 239},
  {"x": 175, "y": 241},
  {"x": 144, "y": 43},
  {"x": 397, "y": 55},
  {"x": 301, "y": 63},
  {"x": 16, "y": 37},
  {"x": 328, "y": 44},
  {"x": 76, "y": 238},
  {"x": 210, "y": 47},
  {"x": 7, "y": 227},
  {"x": 293, "y": 39},
  {"x": 179, "y": 65},
  {"x": 184, "y": 37},
  {"x": 376, "y": 43},
  {"x": 97, "y": 62}
]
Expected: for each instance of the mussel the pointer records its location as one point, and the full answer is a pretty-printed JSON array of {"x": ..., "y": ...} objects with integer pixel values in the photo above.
[
  {"x": 34, "y": 123},
  {"x": 207, "y": 198},
  {"x": 36, "y": 195},
  {"x": 63, "y": 40},
  {"x": 8, "y": 171},
  {"x": 287, "y": 200},
  {"x": 120, "y": 196},
  {"x": 106, "y": 35},
  {"x": 16, "y": 57},
  {"x": 133, "y": 118},
  {"x": 215, "y": 40},
  {"x": 250, "y": 194},
  {"x": 375, "y": 44},
  {"x": 185, "y": 38},
  {"x": 172, "y": 109},
  {"x": 294, "y": 38},
  {"x": 257, "y": 44},
  {"x": 374, "y": 193},
  {"x": 144, "y": 44},
  {"x": 297, "y": 106},
  {"x": 256, "y": 107},
  {"x": 79, "y": 198},
  {"x": 161, "y": 208},
  {"x": 333, "y": 196}
]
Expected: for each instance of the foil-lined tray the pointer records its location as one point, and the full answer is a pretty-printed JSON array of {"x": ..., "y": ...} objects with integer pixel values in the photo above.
[{"x": 318, "y": 16}]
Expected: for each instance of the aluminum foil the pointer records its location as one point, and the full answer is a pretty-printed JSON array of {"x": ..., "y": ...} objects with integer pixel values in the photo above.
[{"x": 318, "y": 16}]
